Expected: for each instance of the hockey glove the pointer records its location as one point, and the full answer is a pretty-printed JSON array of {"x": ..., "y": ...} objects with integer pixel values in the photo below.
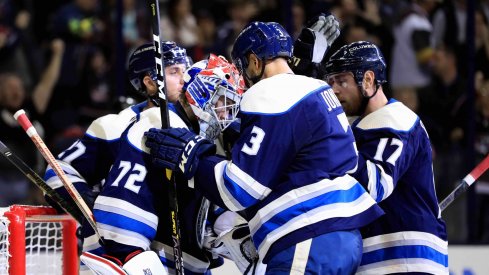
[
  {"x": 325, "y": 29},
  {"x": 313, "y": 42},
  {"x": 237, "y": 246},
  {"x": 177, "y": 147}
]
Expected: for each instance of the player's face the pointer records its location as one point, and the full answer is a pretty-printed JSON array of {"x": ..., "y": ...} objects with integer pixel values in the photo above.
[
  {"x": 347, "y": 92},
  {"x": 252, "y": 71},
  {"x": 222, "y": 107},
  {"x": 174, "y": 81}
]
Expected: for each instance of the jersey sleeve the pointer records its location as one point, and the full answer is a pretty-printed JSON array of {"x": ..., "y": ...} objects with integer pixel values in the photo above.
[
  {"x": 257, "y": 157},
  {"x": 87, "y": 161},
  {"x": 383, "y": 159},
  {"x": 82, "y": 167}
]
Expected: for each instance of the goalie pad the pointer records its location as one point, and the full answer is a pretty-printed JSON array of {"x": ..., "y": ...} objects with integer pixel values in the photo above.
[
  {"x": 100, "y": 265},
  {"x": 144, "y": 263},
  {"x": 236, "y": 245}
]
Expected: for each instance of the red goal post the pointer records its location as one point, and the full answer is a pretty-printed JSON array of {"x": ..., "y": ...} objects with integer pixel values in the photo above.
[{"x": 35, "y": 240}]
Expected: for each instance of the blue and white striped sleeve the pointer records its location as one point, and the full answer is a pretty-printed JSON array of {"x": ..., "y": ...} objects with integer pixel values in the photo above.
[{"x": 381, "y": 164}]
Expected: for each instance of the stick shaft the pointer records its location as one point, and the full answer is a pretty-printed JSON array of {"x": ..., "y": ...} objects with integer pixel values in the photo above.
[
  {"x": 39, "y": 182},
  {"x": 165, "y": 123},
  {"x": 24, "y": 121},
  {"x": 466, "y": 183}
]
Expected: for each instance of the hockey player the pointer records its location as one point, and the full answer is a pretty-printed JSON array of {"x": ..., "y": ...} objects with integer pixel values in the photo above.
[
  {"x": 121, "y": 215},
  {"x": 288, "y": 172},
  {"x": 130, "y": 212},
  {"x": 88, "y": 161},
  {"x": 94, "y": 153},
  {"x": 395, "y": 166}
]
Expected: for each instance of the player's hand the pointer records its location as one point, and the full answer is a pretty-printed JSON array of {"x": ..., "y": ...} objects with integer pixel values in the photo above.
[
  {"x": 320, "y": 33},
  {"x": 326, "y": 29},
  {"x": 177, "y": 148}
]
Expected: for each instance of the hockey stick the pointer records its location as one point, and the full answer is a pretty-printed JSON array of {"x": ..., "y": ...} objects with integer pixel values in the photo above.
[
  {"x": 39, "y": 182},
  {"x": 24, "y": 121},
  {"x": 466, "y": 182},
  {"x": 165, "y": 123}
]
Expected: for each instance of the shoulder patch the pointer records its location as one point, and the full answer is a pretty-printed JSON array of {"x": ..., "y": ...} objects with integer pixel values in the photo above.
[
  {"x": 395, "y": 116},
  {"x": 150, "y": 118},
  {"x": 110, "y": 127},
  {"x": 279, "y": 93}
]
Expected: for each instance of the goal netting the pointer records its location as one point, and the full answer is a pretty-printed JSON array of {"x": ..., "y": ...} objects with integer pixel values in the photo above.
[{"x": 35, "y": 240}]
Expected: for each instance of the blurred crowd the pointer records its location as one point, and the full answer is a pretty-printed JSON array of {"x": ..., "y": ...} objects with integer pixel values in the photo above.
[{"x": 64, "y": 63}]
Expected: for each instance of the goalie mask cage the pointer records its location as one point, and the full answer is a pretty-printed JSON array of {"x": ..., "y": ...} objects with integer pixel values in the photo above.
[{"x": 35, "y": 240}]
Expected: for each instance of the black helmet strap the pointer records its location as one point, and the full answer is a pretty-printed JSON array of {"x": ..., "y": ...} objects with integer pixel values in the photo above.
[
  {"x": 365, "y": 96},
  {"x": 256, "y": 78}
]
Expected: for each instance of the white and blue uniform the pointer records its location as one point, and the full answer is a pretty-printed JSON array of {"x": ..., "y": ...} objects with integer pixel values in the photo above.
[
  {"x": 131, "y": 208},
  {"x": 289, "y": 167},
  {"x": 395, "y": 167},
  {"x": 88, "y": 161}
]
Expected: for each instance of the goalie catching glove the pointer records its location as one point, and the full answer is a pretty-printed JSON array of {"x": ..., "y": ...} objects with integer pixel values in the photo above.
[
  {"x": 236, "y": 245},
  {"x": 177, "y": 147}
]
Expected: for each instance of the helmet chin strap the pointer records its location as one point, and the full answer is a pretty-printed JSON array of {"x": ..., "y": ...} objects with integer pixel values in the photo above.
[
  {"x": 255, "y": 78},
  {"x": 365, "y": 98},
  {"x": 154, "y": 99}
]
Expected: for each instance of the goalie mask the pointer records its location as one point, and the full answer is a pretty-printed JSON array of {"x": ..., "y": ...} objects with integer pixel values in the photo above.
[{"x": 213, "y": 88}]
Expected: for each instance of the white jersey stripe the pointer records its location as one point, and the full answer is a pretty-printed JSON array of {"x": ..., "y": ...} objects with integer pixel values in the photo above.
[
  {"x": 385, "y": 180},
  {"x": 317, "y": 214},
  {"x": 402, "y": 266},
  {"x": 55, "y": 182},
  {"x": 123, "y": 236},
  {"x": 191, "y": 263},
  {"x": 297, "y": 196},
  {"x": 405, "y": 237},
  {"x": 246, "y": 182},
  {"x": 372, "y": 180},
  {"x": 301, "y": 255},
  {"x": 125, "y": 208},
  {"x": 228, "y": 199},
  {"x": 91, "y": 243}
]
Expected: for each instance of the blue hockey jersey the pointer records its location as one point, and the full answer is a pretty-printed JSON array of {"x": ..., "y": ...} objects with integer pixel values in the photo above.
[
  {"x": 131, "y": 208},
  {"x": 395, "y": 166},
  {"x": 87, "y": 162},
  {"x": 289, "y": 165}
]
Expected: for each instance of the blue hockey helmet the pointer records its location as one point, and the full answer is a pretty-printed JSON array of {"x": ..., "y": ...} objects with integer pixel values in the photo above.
[
  {"x": 266, "y": 40},
  {"x": 142, "y": 61},
  {"x": 358, "y": 57}
]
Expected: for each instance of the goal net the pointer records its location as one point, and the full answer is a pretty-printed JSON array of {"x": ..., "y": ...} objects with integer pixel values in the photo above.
[{"x": 35, "y": 240}]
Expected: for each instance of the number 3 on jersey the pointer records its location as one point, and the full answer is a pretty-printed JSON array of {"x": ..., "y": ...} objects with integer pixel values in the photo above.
[{"x": 257, "y": 135}]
